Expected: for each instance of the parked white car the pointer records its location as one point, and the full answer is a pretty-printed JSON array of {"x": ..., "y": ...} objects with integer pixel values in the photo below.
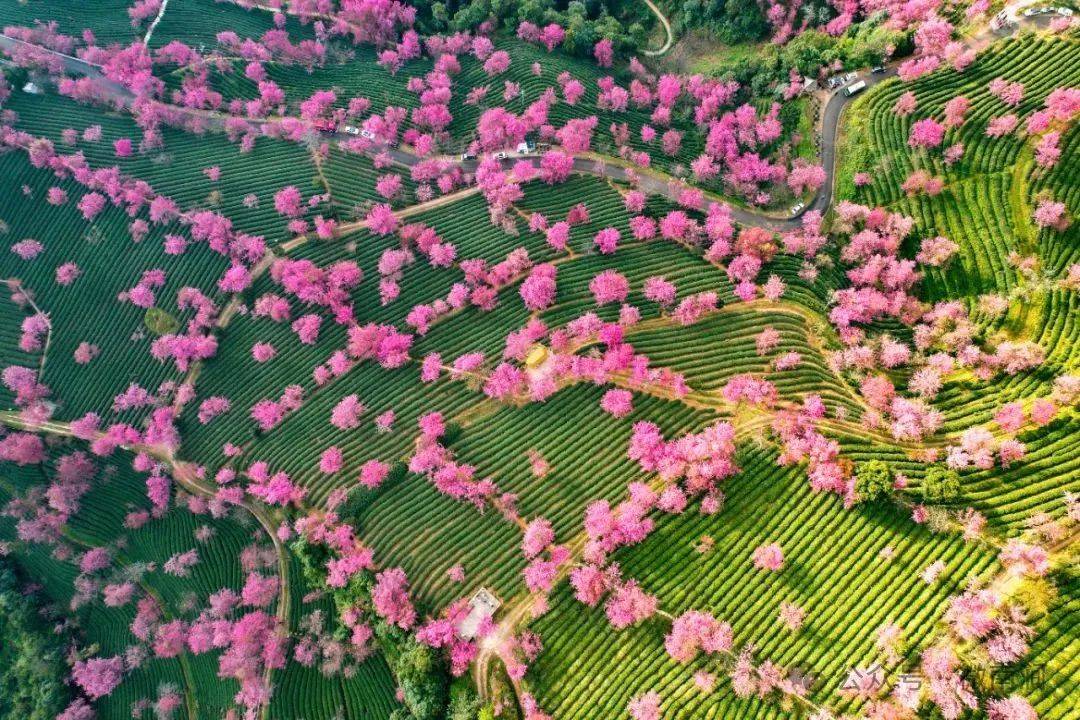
[{"x": 854, "y": 88}]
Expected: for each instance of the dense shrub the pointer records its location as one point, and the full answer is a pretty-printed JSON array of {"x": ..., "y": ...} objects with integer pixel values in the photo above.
[
  {"x": 873, "y": 479},
  {"x": 32, "y": 667},
  {"x": 940, "y": 484}
]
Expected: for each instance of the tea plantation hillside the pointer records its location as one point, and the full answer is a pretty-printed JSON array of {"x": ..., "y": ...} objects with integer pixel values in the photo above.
[{"x": 539, "y": 361}]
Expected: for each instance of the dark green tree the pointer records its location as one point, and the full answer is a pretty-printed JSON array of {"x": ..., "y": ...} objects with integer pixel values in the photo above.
[
  {"x": 32, "y": 667},
  {"x": 464, "y": 702},
  {"x": 423, "y": 679},
  {"x": 873, "y": 479},
  {"x": 732, "y": 21},
  {"x": 940, "y": 484}
]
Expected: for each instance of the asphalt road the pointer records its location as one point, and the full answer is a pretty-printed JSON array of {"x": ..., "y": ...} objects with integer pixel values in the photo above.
[
  {"x": 647, "y": 181},
  {"x": 653, "y": 185}
]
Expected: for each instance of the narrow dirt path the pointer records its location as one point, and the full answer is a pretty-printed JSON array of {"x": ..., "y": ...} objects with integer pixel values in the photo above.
[
  {"x": 157, "y": 19},
  {"x": 667, "y": 31},
  {"x": 191, "y": 702},
  {"x": 405, "y": 212},
  {"x": 14, "y": 283},
  {"x": 186, "y": 477}
]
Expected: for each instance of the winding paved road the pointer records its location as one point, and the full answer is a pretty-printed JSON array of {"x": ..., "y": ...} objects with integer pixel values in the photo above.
[
  {"x": 655, "y": 184},
  {"x": 649, "y": 181}
]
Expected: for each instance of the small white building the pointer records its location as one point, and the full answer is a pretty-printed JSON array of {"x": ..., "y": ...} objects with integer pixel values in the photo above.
[
  {"x": 32, "y": 88},
  {"x": 482, "y": 605}
]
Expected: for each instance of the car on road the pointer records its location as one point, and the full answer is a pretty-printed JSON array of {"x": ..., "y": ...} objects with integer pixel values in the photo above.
[
  {"x": 854, "y": 88},
  {"x": 501, "y": 155},
  {"x": 467, "y": 155},
  {"x": 367, "y": 134},
  {"x": 1047, "y": 10},
  {"x": 351, "y": 130},
  {"x": 798, "y": 208},
  {"x": 877, "y": 70}
]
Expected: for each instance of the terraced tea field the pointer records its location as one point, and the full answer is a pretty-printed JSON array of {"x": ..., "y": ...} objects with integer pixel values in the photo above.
[{"x": 360, "y": 360}]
